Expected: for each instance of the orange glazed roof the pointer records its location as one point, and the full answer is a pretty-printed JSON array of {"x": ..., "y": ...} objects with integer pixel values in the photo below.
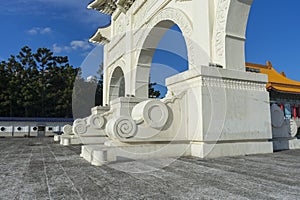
[{"x": 277, "y": 81}]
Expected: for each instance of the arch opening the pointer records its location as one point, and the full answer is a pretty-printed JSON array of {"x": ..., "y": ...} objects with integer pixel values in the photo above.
[
  {"x": 117, "y": 84},
  {"x": 164, "y": 54}
]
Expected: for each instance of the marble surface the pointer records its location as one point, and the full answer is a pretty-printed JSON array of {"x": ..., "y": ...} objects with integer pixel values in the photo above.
[{"x": 33, "y": 168}]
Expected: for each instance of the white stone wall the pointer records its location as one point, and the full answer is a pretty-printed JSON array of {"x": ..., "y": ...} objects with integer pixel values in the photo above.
[{"x": 20, "y": 129}]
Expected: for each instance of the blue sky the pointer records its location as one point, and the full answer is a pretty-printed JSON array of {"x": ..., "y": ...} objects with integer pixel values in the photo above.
[{"x": 64, "y": 26}]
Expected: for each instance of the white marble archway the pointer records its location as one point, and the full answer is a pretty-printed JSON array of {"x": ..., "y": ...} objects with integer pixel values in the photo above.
[
  {"x": 117, "y": 84},
  {"x": 214, "y": 31},
  {"x": 147, "y": 43},
  {"x": 211, "y": 109}
]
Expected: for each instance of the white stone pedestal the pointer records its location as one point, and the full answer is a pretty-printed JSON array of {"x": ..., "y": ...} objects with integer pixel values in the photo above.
[
  {"x": 209, "y": 112},
  {"x": 67, "y": 140},
  {"x": 285, "y": 144},
  {"x": 284, "y": 131},
  {"x": 56, "y": 138},
  {"x": 101, "y": 154}
]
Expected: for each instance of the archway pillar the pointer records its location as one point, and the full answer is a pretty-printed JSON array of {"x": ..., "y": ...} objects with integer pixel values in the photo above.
[
  {"x": 229, "y": 33},
  {"x": 142, "y": 81}
]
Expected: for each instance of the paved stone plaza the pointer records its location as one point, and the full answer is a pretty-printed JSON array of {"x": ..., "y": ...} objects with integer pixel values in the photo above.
[{"x": 33, "y": 168}]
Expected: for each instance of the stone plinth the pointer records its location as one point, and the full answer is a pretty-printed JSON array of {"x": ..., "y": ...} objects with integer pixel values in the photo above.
[
  {"x": 209, "y": 112},
  {"x": 284, "y": 131}
]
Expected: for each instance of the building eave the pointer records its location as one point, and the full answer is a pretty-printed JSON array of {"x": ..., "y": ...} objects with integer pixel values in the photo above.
[
  {"x": 98, "y": 38},
  {"x": 104, "y": 6}
]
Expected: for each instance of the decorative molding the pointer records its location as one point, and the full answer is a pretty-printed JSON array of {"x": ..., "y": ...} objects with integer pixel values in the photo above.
[
  {"x": 171, "y": 98},
  {"x": 125, "y": 4},
  {"x": 175, "y": 15},
  {"x": 233, "y": 84},
  {"x": 220, "y": 31},
  {"x": 180, "y": 19},
  {"x": 140, "y": 15}
]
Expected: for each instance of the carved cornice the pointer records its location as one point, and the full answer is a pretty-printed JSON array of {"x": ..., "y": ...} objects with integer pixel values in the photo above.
[
  {"x": 109, "y": 6},
  {"x": 98, "y": 38},
  {"x": 104, "y": 6},
  {"x": 125, "y": 4}
]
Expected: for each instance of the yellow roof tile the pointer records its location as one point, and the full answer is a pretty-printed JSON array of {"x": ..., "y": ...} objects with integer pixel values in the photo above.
[{"x": 277, "y": 81}]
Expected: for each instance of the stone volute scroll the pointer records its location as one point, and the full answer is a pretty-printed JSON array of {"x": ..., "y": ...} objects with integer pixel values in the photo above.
[
  {"x": 277, "y": 116},
  {"x": 79, "y": 126},
  {"x": 121, "y": 127},
  {"x": 293, "y": 128},
  {"x": 96, "y": 121},
  {"x": 153, "y": 112},
  {"x": 67, "y": 129}
]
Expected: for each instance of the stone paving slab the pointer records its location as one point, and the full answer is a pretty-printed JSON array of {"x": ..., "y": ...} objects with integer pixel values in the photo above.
[{"x": 38, "y": 168}]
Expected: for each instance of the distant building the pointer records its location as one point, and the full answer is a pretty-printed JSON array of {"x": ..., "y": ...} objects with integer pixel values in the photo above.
[
  {"x": 283, "y": 91},
  {"x": 33, "y": 127}
]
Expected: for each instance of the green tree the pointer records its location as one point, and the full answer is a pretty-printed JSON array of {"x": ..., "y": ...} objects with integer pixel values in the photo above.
[
  {"x": 4, "y": 80},
  {"x": 29, "y": 76},
  {"x": 99, "y": 89},
  {"x": 152, "y": 93},
  {"x": 36, "y": 85},
  {"x": 44, "y": 60}
]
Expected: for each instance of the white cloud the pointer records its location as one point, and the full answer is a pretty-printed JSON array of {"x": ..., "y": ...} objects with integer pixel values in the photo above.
[
  {"x": 80, "y": 44},
  {"x": 39, "y": 30},
  {"x": 32, "y": 31},
  {"x": 58, "y": 49},
  {"x": 74, "y": 45},
  {"x": 45, "y": 30}
]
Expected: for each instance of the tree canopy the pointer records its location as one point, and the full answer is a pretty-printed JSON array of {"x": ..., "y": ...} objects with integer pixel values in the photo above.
[
  {"x": 36, "y": 84},
  {"x": 40, "y": 84}
]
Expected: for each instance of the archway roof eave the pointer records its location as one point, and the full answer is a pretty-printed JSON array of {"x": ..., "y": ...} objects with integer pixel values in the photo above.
[
  {"x": 98, "y": 38},
  {"x": 110, "y": 6}
]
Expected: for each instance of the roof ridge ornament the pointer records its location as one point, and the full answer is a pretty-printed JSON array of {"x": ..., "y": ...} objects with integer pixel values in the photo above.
[{"x": 269, "y": 64}]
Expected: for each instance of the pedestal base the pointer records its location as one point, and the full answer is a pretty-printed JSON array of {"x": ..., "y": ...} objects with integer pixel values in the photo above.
[
  {"x": 73, "y": 140},
  {"x": 285, "y": 144},
  {"x": 67, "y": 140},
  {"x": 21, "y": 134},
  {"x": 56, "y": 138},
  {"x": 204, "y": 150},
  {"x": 6, "y": 134},
  {"x": 93, "y": 140},
  {"x": 101, "y": 154}
]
